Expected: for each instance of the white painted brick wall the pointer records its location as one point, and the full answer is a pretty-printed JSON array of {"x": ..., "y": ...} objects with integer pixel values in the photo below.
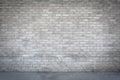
[{"x": 59, "y": 35}]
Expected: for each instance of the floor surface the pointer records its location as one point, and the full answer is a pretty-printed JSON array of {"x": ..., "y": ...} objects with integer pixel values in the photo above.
[{"x": 60, "y": 76}]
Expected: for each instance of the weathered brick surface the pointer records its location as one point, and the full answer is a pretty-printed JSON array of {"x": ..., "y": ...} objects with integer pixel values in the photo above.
[{"x": 59, "y": 35}]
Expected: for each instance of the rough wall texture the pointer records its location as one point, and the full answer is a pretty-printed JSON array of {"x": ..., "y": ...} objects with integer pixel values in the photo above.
[{"x": 59, "y": 35}]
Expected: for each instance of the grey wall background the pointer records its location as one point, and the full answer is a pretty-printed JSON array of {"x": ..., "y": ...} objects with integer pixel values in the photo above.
[{"x": 59, "y": 35}]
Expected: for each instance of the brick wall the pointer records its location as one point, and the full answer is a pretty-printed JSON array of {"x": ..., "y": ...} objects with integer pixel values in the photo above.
[{"x": 59, "y": 35}]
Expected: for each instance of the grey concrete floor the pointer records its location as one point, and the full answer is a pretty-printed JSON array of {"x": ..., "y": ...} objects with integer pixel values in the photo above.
[{"x": 60, "y": 76}]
